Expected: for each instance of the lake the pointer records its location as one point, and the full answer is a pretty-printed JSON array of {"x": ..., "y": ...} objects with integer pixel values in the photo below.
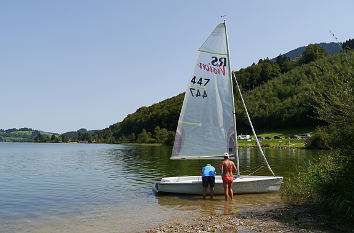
[{"x": 100, "y": 188}]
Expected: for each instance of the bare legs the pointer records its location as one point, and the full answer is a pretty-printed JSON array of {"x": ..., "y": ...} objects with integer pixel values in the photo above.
[
  {"x": 211, "y": 192},
  {"x": 231, "y": 193},
  {"x": 228, "y": 190}
]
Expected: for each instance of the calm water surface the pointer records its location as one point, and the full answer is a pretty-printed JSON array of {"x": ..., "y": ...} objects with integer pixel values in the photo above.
[{"x": 96, "y": 188}]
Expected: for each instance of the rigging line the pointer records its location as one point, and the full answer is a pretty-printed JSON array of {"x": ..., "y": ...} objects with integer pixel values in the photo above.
[
  {"x": 252, "y": 169},
  {"x": 249, "y": 119},
  {"x": 246, "y": 171},
  {"x": 256, "y": 170}
]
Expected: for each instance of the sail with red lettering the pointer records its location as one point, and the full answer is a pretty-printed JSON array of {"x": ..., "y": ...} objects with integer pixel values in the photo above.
[{"x": 206, "y": 126}]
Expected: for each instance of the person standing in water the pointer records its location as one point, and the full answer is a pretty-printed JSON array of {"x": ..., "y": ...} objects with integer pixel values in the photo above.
[
  {"x": 227, "y": 169},
  {"x": 208, "y": 178}
]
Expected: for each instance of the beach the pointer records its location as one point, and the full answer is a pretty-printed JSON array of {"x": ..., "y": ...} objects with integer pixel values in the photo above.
[{"x": 305, "y": 218}]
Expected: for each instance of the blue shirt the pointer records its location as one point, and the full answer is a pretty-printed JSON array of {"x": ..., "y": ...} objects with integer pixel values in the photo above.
[{"x": 208, "y": 171}]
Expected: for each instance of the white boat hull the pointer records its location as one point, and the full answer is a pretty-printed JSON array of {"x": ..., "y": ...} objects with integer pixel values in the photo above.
[{"x": 243, "y": 184}]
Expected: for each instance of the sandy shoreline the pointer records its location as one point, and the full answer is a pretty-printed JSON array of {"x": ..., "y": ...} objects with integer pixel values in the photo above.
[{"x": 281, "y": 219}]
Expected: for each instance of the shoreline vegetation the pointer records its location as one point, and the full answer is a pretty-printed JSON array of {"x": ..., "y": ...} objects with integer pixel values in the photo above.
[
  {"x": 274, "y": 143},
  {"x": 284, "y": 143}
]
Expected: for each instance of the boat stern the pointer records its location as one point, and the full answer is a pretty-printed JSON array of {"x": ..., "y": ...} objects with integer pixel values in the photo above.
[{"x": 155, "y": 187}]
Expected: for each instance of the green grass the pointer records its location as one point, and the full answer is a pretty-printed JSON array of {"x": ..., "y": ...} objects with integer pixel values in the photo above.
[
  {"x": 16, "y": 136},
  {"x": 140, "y": 144},
  {"x": 286, "y": 143},
  {"x": 21, "y": 133},
  {"x": 285, "y": 132},
  {"x": 12, "y": 139}
]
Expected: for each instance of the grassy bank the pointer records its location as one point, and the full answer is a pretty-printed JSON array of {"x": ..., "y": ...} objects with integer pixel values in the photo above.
[
  {"x": 281, "y": 143},
  {"x": 19, "y": 135},
  {"x": 285, "y": 132},
  {"x": 141, "y": 144},
  {"x": 276, "y": 143}
]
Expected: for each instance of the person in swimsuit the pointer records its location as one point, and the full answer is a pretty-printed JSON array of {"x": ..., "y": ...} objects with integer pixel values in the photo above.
[
  {"x": 208, "y": 178},
  {"x": 227, "y": 169}
]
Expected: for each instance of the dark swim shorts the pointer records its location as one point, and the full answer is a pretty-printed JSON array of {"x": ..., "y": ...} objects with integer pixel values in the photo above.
[{"x": 208, "y": 180}]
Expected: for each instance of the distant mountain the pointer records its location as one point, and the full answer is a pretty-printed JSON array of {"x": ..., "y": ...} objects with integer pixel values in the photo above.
[
  {"x": 331, "y": 48},
  {"x": 45, "y": 132}
]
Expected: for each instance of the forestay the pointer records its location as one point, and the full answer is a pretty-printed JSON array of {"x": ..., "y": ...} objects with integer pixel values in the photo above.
[{"x": 206, "y": 125}]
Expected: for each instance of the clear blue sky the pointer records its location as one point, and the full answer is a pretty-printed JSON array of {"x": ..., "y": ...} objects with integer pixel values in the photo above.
[{"x": 71, "y": 64}]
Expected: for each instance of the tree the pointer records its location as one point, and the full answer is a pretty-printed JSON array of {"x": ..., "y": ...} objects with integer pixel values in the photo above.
[
  {"x": 269, "y": 71},
  {"x": 330, "y": 181},
  {"x": 161, "y": 135},
  {"x": 284, "y": 63},
  {"x": 257, "y": 74},
  {"x": 110, "y": 140},
  {"x": 311, "y": 53},
  {"x": 39, "y": 138},
  {"x": 64, "y": 138},
  {"x": 123, "y": 139},
  {"x": 171, "y": 138},
  {"x": 349, "y": 44},
  {"x": 334, "y": 103},
  {"x": 132, "y": 137},
  {"x": 144, "y": 136}
]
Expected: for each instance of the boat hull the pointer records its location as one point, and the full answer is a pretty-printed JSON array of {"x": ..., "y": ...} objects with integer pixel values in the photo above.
[{"x": 243, "y": 184}]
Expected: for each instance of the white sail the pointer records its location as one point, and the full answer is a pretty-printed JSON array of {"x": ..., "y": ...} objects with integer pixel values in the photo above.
[{"x": 206, "y": 125}]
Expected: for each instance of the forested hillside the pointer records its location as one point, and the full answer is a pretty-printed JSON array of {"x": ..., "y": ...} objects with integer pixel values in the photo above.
[
  {"x": 329, "y": 180},
  {"x": 285, "y": 100},
  {"x": 277, "y": 95},
  {"x": 331, "y": 48},
  {"x": 156, "y": 123},
  {"x": 18, "y": 135},
  {"x": 81, "y": 134}
]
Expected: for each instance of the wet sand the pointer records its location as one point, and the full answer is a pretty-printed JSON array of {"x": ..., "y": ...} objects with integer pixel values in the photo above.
[
  {"x": 224, "y": 216},
  {"x": 280, "y": 219},
  {"x": 187, "y": 213},
  {"x": 137, "y": 216}
]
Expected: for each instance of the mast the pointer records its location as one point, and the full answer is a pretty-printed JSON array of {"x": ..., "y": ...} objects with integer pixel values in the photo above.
[{"x": 233, "y": 103}]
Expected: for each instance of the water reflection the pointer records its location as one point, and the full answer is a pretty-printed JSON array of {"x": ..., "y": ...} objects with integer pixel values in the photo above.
[
  {"x": 153, "y": 161},
  {"x": 228, "y": 207},
  {"x": 218, "y": 205},
  {"x": 54, "y": 180}
]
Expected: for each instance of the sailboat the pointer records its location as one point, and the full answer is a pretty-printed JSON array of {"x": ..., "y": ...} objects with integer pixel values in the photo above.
[{"x": 207, "y": 123}]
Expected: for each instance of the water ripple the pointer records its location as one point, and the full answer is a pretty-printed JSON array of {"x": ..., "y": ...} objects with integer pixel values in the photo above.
[{"x": 39, "y": 180}]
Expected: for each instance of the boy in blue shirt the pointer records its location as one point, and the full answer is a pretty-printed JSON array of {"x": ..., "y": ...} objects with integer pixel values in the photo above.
[{"x": 208, "y": 178}]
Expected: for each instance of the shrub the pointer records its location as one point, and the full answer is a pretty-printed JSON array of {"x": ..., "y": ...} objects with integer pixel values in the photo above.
[
  {"x": 325, "y": 138},
  {"x": 327, "y": 181}
]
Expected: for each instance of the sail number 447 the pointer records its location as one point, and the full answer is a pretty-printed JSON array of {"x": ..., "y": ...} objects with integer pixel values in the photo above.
[{"x": 195, "y": 92}]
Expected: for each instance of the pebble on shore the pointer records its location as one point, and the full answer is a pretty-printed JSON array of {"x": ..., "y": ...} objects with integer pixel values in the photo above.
[{"x": 285, "y": 219}]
